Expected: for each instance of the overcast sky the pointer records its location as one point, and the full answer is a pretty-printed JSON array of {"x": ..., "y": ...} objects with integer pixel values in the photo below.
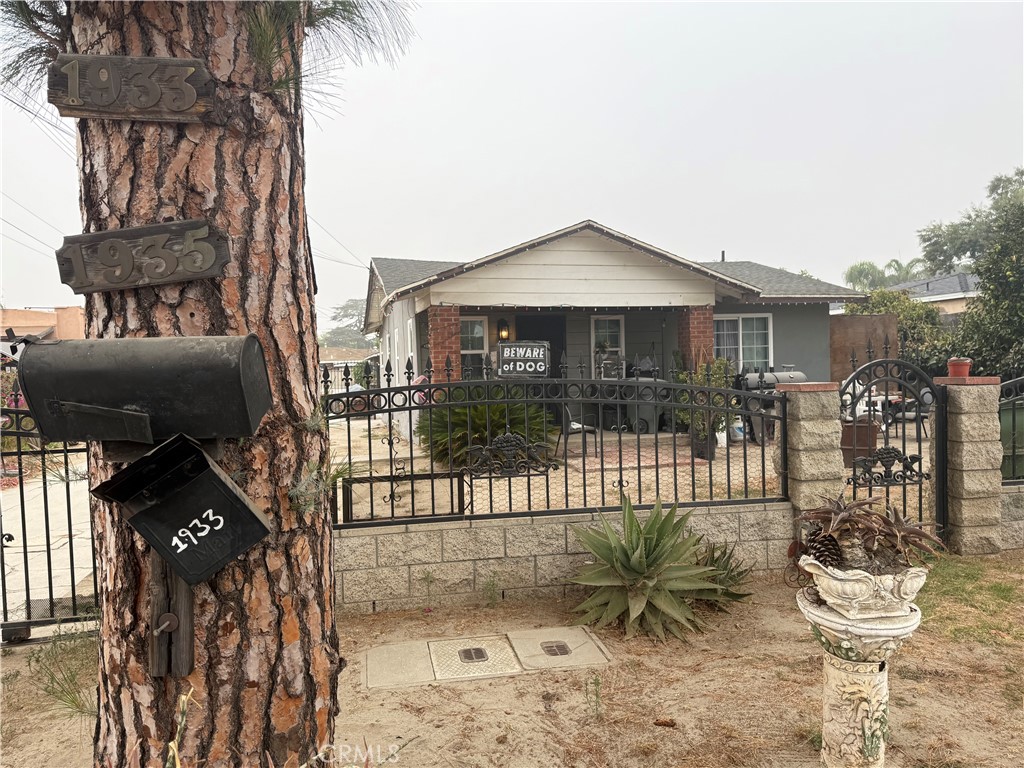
[{"x": 803, "y": 136}]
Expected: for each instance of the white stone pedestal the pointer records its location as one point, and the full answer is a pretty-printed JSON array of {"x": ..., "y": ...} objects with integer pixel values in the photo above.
[{"x": 855, "y": 702}]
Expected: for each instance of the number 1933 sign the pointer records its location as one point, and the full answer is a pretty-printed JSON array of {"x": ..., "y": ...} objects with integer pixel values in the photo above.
[
  {"x": 129, "y": 258},
  {"x": 131, "y": 88}
]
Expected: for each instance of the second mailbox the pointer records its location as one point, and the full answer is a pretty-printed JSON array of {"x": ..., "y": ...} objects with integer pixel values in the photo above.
[{"x": 146, "y": 390}]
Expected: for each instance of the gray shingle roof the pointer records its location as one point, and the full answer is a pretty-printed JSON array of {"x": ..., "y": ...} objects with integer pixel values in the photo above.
[
  {"x": 778, "y": 283},
  {"x": 398, "y": 273},
  {"x": 944, "y": 285}
]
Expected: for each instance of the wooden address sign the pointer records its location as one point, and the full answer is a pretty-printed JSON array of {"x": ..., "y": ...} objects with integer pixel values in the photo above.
[
  {"x": 130, "y": 88},
  {"x": 130, "y": 258}
]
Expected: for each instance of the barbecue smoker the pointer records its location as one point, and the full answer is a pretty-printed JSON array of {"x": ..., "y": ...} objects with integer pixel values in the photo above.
[{"x": 767, "y": 383}]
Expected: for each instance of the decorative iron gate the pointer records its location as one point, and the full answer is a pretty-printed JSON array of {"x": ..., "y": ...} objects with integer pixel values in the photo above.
[
  {"x": 431, "y": 448},
  {"x": 47, "y": 566},
  {"x": 894, "y": 437}
]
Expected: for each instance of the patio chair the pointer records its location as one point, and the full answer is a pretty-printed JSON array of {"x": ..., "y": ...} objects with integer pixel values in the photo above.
[
  {"x": 572, "y": 427},
  {"x": 909, "y": 411}
]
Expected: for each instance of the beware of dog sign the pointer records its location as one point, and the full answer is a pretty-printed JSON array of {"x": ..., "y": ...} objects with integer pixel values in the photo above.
[{"x": 523, "y": 359}]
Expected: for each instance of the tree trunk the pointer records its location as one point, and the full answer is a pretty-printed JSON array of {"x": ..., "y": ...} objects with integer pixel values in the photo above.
[{"x": 266, "y": 647}]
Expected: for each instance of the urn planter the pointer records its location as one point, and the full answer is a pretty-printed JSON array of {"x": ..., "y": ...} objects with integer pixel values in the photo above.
[{"x": 857, "y": 594}]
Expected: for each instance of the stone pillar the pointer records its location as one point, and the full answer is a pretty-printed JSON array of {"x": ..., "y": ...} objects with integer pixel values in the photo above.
[
  {"x": 696, "y": 335},
  {"x": 444, "y": 334},
  {"x": 974, "y": 453},
  {"x": 855, "y": 700},
  {"x": 813, "y": 431}
]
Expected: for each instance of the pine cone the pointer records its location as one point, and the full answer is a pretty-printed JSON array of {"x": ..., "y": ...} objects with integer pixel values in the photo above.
[{"x": 825, "y": 549}]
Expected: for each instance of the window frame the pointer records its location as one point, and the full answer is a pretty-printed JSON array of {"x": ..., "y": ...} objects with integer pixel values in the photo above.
[
  {"x": 740, "y": 317},
  {"x": 593, "y": 343},
  {"x": 485, "y": 352}
]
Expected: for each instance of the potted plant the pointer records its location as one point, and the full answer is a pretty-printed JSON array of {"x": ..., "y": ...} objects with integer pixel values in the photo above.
[
  {"x": 858, "y": 558},
  {"x": 703, "y": 412},
  {"x": 959, "y": 366}
]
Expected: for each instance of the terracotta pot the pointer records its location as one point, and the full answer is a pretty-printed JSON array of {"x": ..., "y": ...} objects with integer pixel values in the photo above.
[{"x": 959, "y": 366}]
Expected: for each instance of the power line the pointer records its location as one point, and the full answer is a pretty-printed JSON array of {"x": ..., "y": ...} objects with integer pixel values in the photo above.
[
  {"x": 31, "y": 213},
  {"x": 361, "y": 262},
  {"x": 325, "y": 257},
  {"x": 26, "y": 245},
  {"x": 41, "y": 242}
]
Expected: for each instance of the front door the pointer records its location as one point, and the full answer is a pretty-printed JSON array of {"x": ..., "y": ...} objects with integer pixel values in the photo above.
[{"x": 544, "y": 327}]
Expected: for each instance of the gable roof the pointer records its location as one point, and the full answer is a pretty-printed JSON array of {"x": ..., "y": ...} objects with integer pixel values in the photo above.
[
  {"x": 942, "y": 286},
  {"x": 457, "y": 268},
  {"x": 396, "y": 274},
  {"x": 779, "y": 285}
]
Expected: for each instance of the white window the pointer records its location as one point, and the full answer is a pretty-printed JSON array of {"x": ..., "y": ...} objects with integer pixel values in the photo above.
[
  {"x": 746, "y": 340},
  {"x": 608, "y": 340},
  {"x": 473, "y": 346}
]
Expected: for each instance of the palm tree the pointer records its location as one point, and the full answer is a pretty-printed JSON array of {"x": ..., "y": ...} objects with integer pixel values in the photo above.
[
  {"x": 266, "y": 646},
  {"x": 868, "y": 276},
  {"x": 865, "y": 276}
]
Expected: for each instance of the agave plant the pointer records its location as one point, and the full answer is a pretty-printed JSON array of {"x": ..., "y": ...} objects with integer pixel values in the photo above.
[{"x": 649, "y": 577}]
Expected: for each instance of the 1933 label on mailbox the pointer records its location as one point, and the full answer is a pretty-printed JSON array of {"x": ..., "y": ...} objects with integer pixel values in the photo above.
[
  {"x": 130, "y": 258},
  {"x": 130, "y": 88}
]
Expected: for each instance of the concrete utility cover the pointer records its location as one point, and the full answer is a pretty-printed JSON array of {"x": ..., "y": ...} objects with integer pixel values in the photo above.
[
  {"x": 545, "y": 648},
  {"x": 497, "y": 657},
  {"x": 427, "y": 661}
]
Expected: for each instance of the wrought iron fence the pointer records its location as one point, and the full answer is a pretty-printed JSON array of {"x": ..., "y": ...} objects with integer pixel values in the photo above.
[
  {"x": 887, "y": 407},
  {"x": 1011, "y": 430},
  {"x": 445, "y": 447},
  {"x": 47, "y": 566}
]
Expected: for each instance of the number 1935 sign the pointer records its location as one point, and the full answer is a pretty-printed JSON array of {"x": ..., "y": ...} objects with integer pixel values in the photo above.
[
  {"x": 129, "y": 258},
  {"x": 132, "y": 88}
]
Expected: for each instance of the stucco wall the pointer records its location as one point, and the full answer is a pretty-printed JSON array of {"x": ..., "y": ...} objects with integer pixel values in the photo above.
[{"x": 419, "y": 565}]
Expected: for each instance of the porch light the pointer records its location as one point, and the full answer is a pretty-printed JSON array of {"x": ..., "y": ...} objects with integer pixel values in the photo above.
[{"x": 503, "y": 330}]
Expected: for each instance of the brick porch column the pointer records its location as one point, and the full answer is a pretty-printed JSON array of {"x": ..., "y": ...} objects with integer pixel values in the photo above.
[
  {"x": 444, "y": 334},
  {"x": 696, "y": 334},
  {"x": 974, "y": 453},
  {"x": 813, "y": 430}
]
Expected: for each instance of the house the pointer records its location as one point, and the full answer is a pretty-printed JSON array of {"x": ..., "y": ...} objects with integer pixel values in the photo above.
[
  {"x": 948, "y": 293},
  {"x": 605, "y": 300},
  {"x": 51, "y": 324}
]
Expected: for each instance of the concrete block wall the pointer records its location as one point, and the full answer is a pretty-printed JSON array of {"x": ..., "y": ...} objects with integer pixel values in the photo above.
[
  {"x": 974, "y": 481},
  {"x": 1012, "y": 516},
  {"x": 470, "y": 561}
]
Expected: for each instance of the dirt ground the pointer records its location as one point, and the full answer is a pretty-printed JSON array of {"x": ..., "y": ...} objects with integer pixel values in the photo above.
[{"x": 746, "y": 694}]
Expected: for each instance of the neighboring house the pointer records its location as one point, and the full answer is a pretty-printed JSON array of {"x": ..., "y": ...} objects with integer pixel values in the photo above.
[
  {"x": 588, "y": 288},
  {"x": 949, "y": 293},
  {"x": 50, "y": 324}
]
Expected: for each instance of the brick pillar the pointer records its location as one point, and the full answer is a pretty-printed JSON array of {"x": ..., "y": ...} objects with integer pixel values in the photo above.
[
  {"x": 696, "y": 335},
  {"x": 974, "y": 453},
  {"x": 813, "y": 431},
  {"x": 444, "y": 337}
]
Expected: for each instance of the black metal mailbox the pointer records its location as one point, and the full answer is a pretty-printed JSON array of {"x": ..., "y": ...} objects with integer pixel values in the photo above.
[
  {"x": 187, "y": 508},
  {"x": 146, "y": 390}
]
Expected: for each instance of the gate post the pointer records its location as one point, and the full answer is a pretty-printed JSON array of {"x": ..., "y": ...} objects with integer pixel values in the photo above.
[
  {"x": 814, "y": 461},
  {"x": 973, "y": 459}
]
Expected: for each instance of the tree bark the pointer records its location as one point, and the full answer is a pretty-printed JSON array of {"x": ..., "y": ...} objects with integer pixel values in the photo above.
[{"x": 266, "y": 647}]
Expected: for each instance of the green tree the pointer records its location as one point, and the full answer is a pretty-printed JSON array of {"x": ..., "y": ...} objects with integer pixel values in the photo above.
[
  {"x": 265, "y": 640},
  {"x": 918, "y": 324},
  {"x": 991, "y": 331},
  {"x": 946, "y": 247},
  {"x": 349, "y": 331},
  {"x": 868, "y": 276}
]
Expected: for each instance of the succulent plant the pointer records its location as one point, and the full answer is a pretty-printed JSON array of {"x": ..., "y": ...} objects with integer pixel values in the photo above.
[
  {"x": 649, "y": 577},
  {"x": 868, "y": 534}
]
